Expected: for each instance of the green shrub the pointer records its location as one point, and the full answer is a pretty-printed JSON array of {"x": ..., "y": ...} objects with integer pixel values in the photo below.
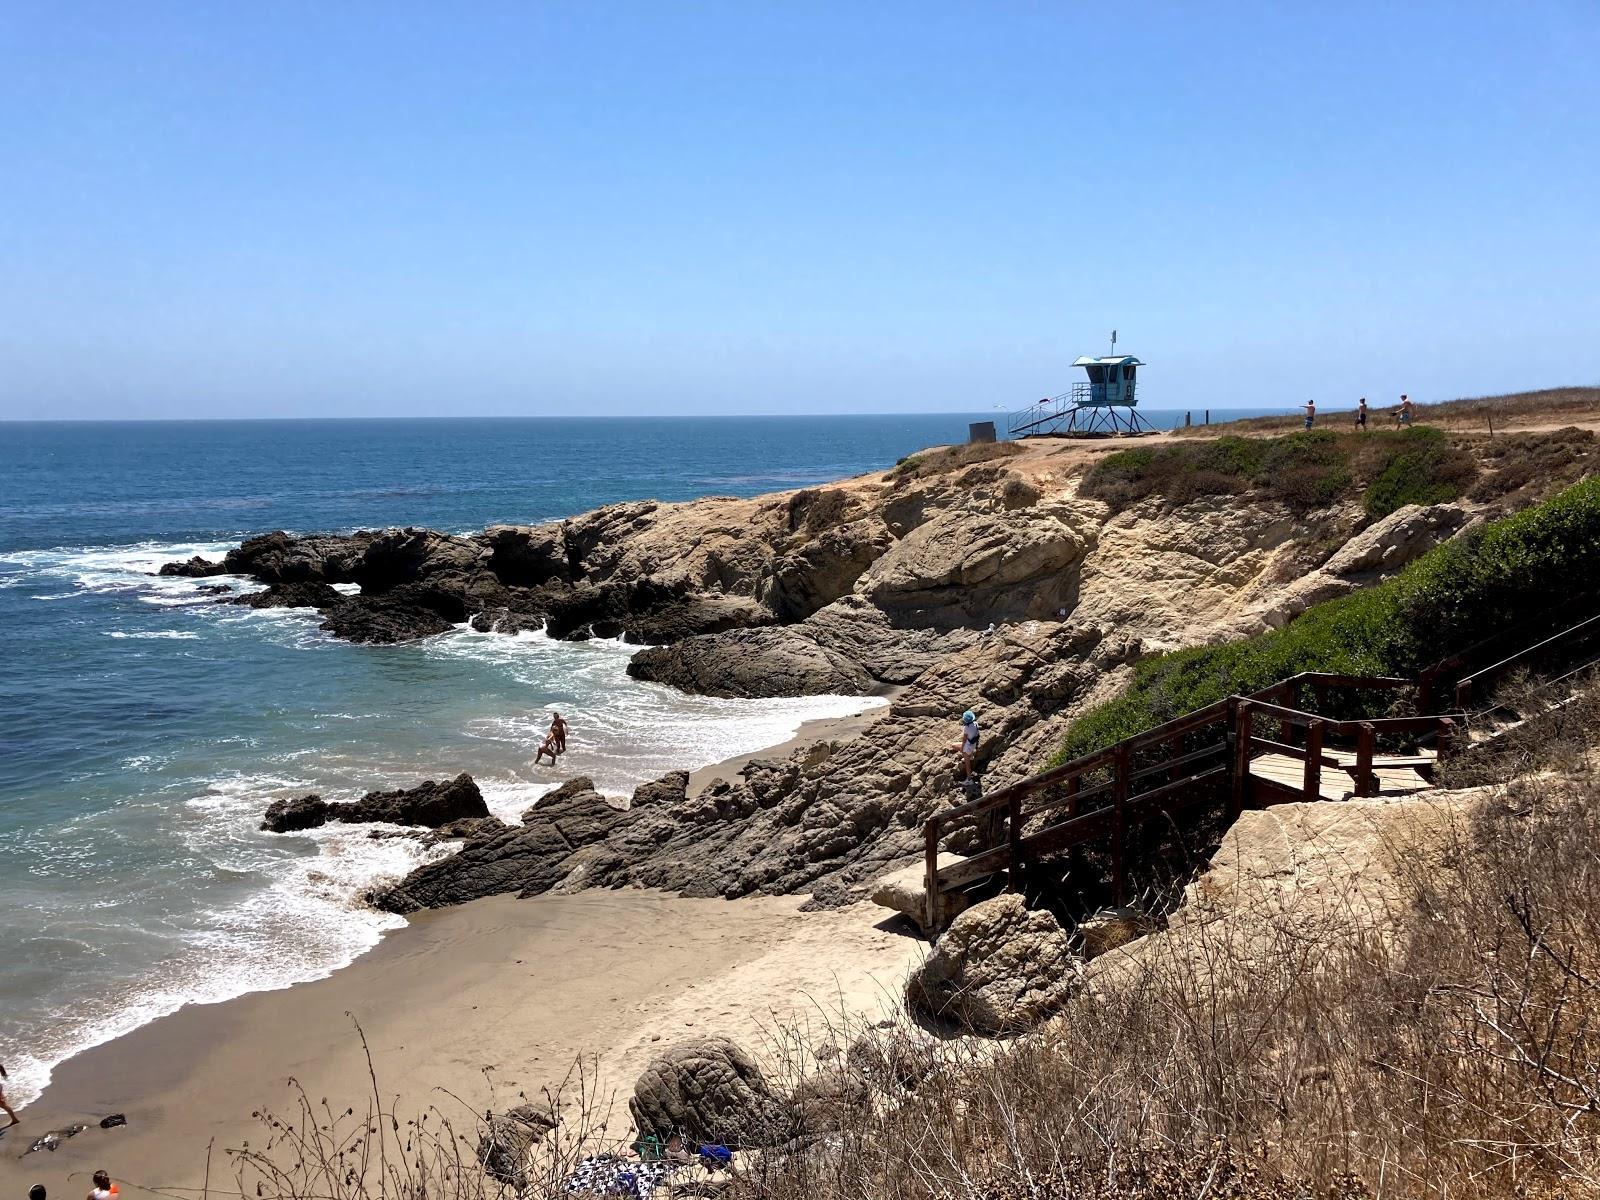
[
  {"x": 1415, "y": 466},
  {"x": 1307, "y": 469},
  {"x": 1457, "y": 594}
]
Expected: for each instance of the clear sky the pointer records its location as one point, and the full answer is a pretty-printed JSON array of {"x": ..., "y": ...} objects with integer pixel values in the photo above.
[{"x": 290, "y": 209}]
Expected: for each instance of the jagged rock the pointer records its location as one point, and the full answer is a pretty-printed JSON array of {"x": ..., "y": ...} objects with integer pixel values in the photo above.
[
  {"x": 505, "y": 620},
  {"x": 381, "y": 620},
  {"x": 1373, "y": 554},
  {"x": 819, "y": 571},
  {"x": 1388, "y": 544},
  {"x": 527, "y": 859},
  {"x": 506, "y": 1140},
  {"x": 751, "y": 663},
  {"x": 400, "y": 556},
  {"x": 863, "y": 634},
  {"x": 193, "y": 568},
  {"x": 214, "y": 589},
  {"x": 528, "y": 556},
  {"x": 429, "y": 804},
  {"x": 302, "y": 594},
  {"x": 999, "y": 968},
  {"x": 709, "y": 1090},
  {"x": 281, "y": 558},
  {"x": 291, "y": 816},
  {"x": 962, "y": 568}
]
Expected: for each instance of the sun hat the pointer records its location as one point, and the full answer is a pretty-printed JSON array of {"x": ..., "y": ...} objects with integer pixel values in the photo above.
[{"x": 968, "y": 717}]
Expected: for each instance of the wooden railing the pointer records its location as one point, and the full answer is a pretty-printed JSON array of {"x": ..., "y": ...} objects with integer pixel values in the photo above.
[{"x": 1198, "y": 759}]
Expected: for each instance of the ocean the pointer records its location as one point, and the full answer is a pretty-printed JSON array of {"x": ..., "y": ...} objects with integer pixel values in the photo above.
[{"x": 145, "y": 727}]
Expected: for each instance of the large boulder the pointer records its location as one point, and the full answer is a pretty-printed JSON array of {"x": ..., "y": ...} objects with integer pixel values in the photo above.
[
  {"x": 752, "y": 663},
  {"x": 999, "y": 968},
  {"x": 709, "y": 1090},
  {"x": 506, "y": 1140},
  {"x": 527, "y": 859},
  {"x": 971, "y": 568},
  {"x": 193, "y": 568},
  {"x": 282, "y": 558},
  {"x": 291, "y": 816}
]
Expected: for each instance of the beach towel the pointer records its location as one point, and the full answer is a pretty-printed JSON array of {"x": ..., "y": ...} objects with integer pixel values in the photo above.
[{"x": 609, "y": 1175}]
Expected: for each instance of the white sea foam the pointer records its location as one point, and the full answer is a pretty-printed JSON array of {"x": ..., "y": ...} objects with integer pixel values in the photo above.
[{"x": 301, "y": 916}]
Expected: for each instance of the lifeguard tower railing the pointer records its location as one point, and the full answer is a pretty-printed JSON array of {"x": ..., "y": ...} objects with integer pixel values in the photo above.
[{"x": 1081, "y": 412}]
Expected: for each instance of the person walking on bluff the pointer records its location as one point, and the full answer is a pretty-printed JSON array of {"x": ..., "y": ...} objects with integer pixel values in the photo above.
[
  {"x": 1311, "y": 413},
  {"x": 967, "y": 747},
  {"x": 1402, "y": 418},
  {"x": 1361, "y": 415}
]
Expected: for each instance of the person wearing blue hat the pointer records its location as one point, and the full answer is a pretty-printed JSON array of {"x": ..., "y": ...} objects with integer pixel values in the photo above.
[{"x": 968, "y": 746}]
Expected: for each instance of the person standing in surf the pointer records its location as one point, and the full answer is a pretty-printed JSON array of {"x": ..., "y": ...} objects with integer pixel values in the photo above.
[{"x": 555, "y": 742}]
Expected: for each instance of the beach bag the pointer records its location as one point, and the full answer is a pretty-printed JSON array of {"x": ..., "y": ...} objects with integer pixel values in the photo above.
[{"x": 716, "y": 1156}]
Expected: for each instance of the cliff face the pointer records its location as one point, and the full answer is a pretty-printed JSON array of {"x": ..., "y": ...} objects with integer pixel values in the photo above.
[{"x": 878, "y": 581}]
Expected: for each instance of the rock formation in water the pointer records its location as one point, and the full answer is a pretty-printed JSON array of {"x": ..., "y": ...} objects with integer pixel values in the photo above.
[
  {"x": 994, "y": 586},
  {"x": 429, "y": 805}
]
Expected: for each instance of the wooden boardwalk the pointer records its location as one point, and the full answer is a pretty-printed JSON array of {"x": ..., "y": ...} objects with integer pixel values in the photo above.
[{"x": 1274, "y": 746}]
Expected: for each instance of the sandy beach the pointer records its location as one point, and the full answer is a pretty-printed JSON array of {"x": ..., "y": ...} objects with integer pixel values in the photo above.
[{"x": 486, "y": 1000}]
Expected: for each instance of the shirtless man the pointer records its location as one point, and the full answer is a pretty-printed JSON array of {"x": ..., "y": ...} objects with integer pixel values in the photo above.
[{"x": 555, "y": 742}]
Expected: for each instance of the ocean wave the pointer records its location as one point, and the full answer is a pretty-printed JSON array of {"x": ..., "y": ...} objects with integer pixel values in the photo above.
[
  {"x": 161, "y": 634},
  {"x": 305, "y": 921}
]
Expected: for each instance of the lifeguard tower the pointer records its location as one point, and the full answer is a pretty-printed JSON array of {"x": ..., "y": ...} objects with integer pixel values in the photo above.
[{"x": 1100, "y": 406}]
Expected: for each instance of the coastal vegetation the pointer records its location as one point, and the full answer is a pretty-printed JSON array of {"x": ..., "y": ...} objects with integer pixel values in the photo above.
[
  {"x": 1310, "y": 469},
  {"x": 947, "y": 459},
  {"x": 1560, "y": 405},
  {"x": 1495, "y": 578}
]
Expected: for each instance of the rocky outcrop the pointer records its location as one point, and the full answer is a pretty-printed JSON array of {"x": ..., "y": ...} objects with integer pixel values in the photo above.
[
  {"x": 429, "y": 804},
  {"x": 303, "y": 594},
  {"x": 1374, "y": 554},
  {"x": 381, "y": 620},
  {"x": 507, "y": 1139},
  {"x": 193, "y": 568},
  {"x": 291, "y": 816},
  {"x": 999, "y": 968},
  {"x": 526, "y": 859},
  {"x": 709, "y": 1090},
  {"x": 962, "y": 568},
  {"x": 750, "y": 663}
]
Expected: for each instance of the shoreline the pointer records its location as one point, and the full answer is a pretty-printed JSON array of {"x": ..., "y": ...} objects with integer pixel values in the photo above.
[
  {"x": 699, "y": 961},
  {"x": 489, "y": 1000}
]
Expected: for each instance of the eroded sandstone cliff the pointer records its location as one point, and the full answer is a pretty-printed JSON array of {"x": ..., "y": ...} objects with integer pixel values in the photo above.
[{"x": 993, "y": 586}]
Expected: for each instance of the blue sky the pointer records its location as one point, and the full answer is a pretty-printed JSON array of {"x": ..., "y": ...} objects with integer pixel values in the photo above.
[{"x": 393, "y": 209}]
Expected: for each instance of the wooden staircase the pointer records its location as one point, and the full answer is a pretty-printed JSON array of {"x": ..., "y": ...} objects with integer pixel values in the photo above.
[{"x": 1270, "y": 747}]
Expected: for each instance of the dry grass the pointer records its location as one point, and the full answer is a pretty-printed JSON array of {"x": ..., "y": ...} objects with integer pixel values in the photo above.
[
  {"x": 1437, "y": 1036},
  {"x": 948, "y": 459}
]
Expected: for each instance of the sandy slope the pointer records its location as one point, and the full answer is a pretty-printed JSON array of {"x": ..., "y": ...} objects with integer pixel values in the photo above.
[{"x": 488, "y": 999}]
